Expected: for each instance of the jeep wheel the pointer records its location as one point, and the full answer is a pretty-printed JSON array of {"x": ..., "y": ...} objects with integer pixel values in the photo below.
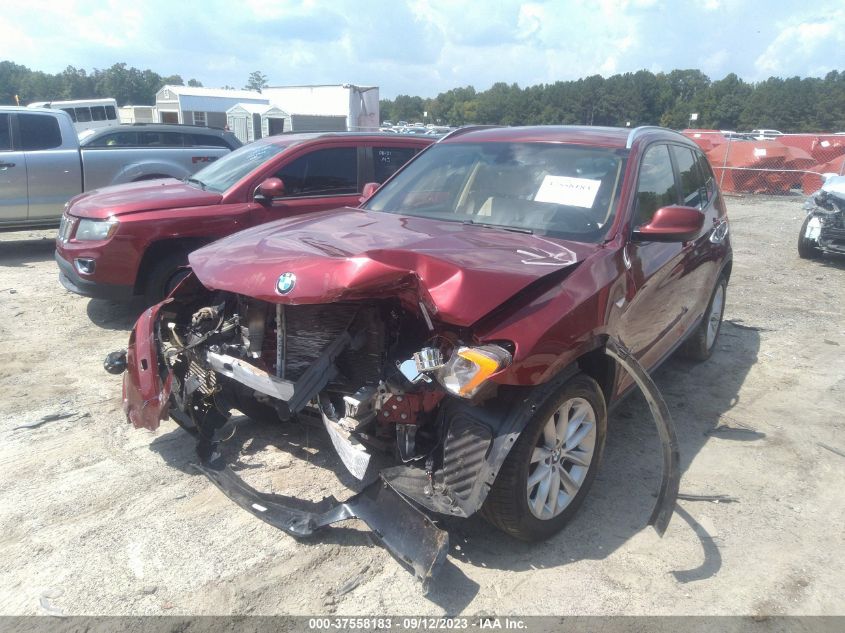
[
  {"x": 550, "y": 469},
  {"x": 165, "y": 275}
]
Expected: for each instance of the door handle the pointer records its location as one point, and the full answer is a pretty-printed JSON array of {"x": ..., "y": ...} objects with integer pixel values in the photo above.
[{"x": 6, "y": 165}]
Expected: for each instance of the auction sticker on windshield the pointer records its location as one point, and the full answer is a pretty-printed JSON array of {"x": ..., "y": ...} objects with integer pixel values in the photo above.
[{"x": 574, "y": 192}]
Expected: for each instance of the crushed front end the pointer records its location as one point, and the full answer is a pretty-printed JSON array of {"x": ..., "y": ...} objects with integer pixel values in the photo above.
[
  {"x": 824, "y": 227},
  {"x": 378, "y": 373}
]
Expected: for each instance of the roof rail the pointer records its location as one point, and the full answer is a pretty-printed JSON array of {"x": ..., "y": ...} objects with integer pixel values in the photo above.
[
  {"x": 632, "y": 135},
  {"x": 465, "y": 129}
]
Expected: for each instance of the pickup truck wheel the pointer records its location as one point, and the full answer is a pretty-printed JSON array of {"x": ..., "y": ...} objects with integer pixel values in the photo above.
[
  {"x": 701, "y": 343},
  {"x": 550, "y": 469},
  {"x": 807, "y": 249},
  {"x": 164, "y": 276}
]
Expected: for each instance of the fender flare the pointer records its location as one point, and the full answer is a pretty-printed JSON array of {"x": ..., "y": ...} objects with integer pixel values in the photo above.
[{"x": 670, "y": 480}]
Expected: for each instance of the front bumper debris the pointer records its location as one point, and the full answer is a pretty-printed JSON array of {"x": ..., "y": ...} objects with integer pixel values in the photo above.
[{"x": 407, "y": 533}]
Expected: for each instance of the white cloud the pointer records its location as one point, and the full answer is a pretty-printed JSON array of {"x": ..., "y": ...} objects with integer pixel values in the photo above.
[
  {"x": 802, "y": 45},
  {"x": 424, "y": 46}
]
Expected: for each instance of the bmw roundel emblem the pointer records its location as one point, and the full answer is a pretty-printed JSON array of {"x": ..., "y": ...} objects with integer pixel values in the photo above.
[{"x": 286, "y": 283}]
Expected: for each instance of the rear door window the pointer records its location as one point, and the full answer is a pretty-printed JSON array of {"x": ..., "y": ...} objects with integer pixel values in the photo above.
[
  {"x": 324, "y": 172},
  {"x": 38, "y": 132},
  {"x": 388, "y": 160},
  {"x": 693, "y": 193},
  {"x": 5, "y": 137},
  {"x": 656, "y": 184},
  {"x": 706, "y": 174}
]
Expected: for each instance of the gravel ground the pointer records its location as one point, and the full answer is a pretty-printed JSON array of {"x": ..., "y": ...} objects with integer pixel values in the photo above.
[{"x": 97, "y": 518}]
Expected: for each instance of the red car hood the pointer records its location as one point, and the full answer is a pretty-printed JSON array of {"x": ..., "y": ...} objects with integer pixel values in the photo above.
[
  {"x": 461, "y": 272},
  {"x": 147, "y": 195}
]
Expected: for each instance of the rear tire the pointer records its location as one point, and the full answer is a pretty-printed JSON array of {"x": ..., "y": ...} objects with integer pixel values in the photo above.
[
  {"x": 807, "y": 249},
  {"x": 164, "y": 276},
  {"x": 536, "y": 511},
  {"x": 701, "y": 343}
]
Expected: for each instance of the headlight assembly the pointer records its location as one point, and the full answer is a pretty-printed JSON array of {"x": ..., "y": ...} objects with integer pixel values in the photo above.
[
  {"x": 95, "y": 230},
  {"x": 470, "y": 367}
]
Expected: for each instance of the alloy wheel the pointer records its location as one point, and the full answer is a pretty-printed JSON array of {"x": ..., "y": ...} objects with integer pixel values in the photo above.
[{"x": 561, "y": 459}]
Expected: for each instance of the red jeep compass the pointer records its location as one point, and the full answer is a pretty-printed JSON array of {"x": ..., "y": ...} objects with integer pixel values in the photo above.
[
  {"x": 470, "y": 324},
  {"x": 129, "y": 240}
]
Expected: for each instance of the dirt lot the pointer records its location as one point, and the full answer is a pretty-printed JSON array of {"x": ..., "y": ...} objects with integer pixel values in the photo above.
[{"x": 97, "y": 518}]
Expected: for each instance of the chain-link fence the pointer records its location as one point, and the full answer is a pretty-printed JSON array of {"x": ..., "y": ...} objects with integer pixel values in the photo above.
[{"x": 765, "y": 162}]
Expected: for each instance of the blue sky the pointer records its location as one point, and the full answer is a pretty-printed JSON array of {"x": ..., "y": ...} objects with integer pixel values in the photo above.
[{"x": 423, "y": 47}]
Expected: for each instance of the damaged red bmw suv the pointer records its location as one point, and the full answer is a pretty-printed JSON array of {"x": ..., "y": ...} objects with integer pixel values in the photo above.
[{"x": 474, "y": 319}]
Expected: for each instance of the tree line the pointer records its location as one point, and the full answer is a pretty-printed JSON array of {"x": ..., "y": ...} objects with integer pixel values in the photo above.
[
  {"x": 795, "y": 104},
  {"x": 128, "y": 85}
]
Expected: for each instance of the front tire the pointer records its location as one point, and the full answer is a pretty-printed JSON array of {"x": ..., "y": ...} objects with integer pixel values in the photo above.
[
  {"x": 807, "y": 249},
  {"x": 164, "y": 276},
  {"x": 550, "y": 469}
]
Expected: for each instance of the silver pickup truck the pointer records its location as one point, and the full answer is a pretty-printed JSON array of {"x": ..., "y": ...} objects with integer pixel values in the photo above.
[{"x": 42, "y": 164}]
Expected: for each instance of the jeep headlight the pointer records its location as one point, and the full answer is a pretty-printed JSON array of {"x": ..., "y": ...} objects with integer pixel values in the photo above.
[
  {"x": 470, "y": 367},
  {"x": 95, "y": 230}
]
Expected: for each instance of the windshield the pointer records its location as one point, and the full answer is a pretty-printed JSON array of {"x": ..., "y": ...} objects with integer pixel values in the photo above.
[
  {"x": 226, "y": 171},
  {"x": 567, "y": 191}
]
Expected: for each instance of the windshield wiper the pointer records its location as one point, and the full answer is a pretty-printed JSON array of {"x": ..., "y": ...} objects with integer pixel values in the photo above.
[
  {"x": 196, "y": 181},
  {"x": 512, "y": 229}
]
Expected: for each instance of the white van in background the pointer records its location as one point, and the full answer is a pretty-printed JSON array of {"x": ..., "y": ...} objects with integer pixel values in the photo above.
[{"x": 87, "y": 114}]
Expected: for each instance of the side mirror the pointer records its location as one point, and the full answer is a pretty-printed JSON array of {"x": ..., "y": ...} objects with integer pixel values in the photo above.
[
  {"x": 672, "y": 224},
  {"x": 369, "y": 189},
  {"x": 270, "y": 188}
]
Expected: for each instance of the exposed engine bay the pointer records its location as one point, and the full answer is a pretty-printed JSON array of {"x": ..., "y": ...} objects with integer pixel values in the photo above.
[{"x": 376, "y": 390}]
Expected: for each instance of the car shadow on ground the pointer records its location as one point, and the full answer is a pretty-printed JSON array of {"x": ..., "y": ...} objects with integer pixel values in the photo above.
[
  {"x": 618, "y": 506},
  {"x": 115, "y": 315},
  {"x": 22, "y": 252},
  {"x": 832, "y": 260}
]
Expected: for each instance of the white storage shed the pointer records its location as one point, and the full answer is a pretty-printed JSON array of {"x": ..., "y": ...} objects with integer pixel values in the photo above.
[
  {"x": 252, "y": 121},
  {"x": 136, "y": 114},
  {"x": 201, "y": 106}
]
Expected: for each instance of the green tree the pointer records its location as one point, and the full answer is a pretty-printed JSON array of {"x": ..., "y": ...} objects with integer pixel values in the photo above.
[{"x": 257, "y": 81}]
